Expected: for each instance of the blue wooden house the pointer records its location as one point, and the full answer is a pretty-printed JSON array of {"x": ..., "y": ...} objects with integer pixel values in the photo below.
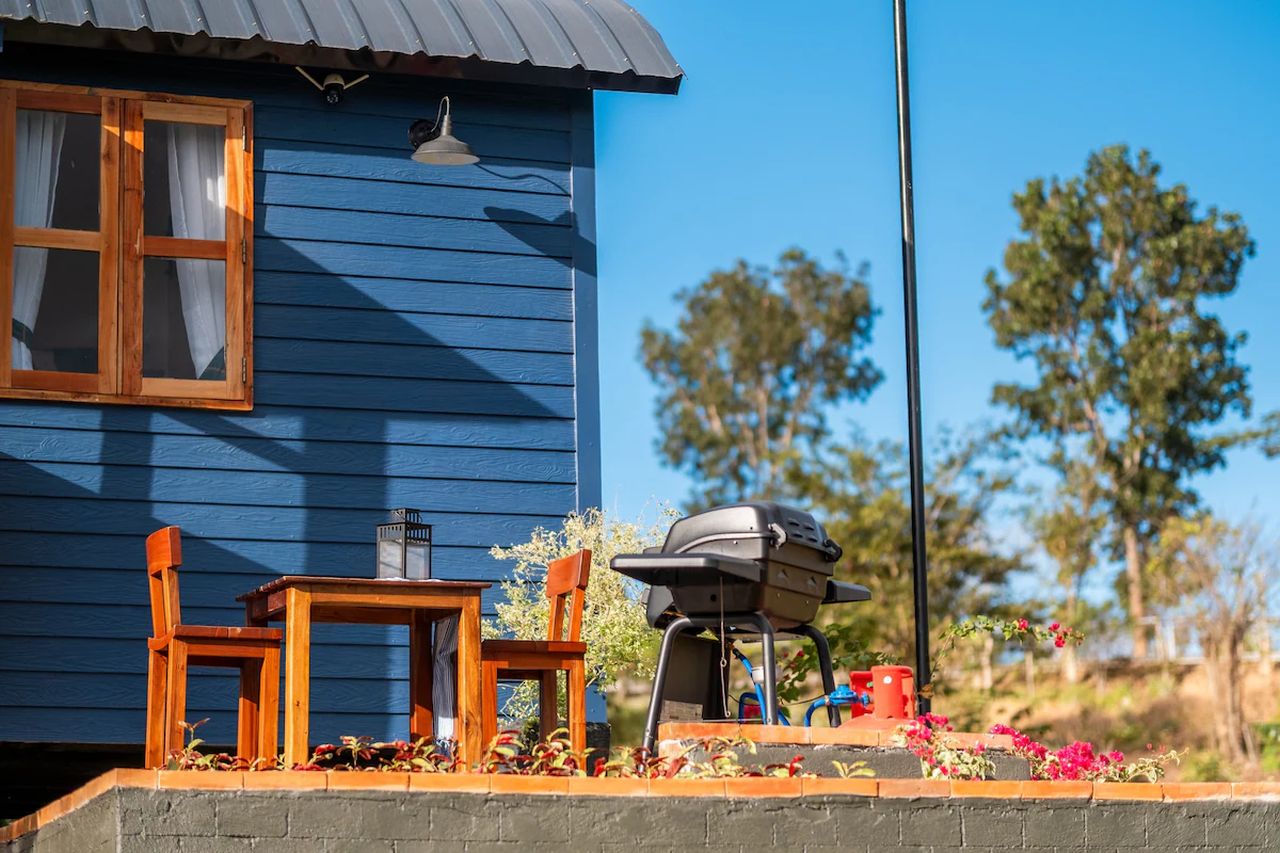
[{"x": 362, "y": 332}]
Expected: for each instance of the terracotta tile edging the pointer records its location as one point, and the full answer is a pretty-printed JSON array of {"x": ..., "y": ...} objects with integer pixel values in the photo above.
[
  {"x": 822, "y": 786},
  {"x": 995, "y": 790},
  {"x": 763, "y": 786},
  {"x": 1151, "y": 791},
  {"x": 459, "y": 783},
  {"x": 1042, "y": 789},
  {"x": 367, "y": 780},
  {"x": 1267, "y": 791},
  {"x": 913, "y": 788},
  {"x": 509, "y": 783},
  {"x": 1180, "y": 791},
  {"x": 608, "y": 786},
  {"x": 734, "y": 787}
]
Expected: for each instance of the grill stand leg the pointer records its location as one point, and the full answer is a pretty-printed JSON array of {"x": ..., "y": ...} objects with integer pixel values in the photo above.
[
  {"x": 824, "y": 663},
  {"x": 676, "y": 627},
  {"x": 769, "y": 713}
]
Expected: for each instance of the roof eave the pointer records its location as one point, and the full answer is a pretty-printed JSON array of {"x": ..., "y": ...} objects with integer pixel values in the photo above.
[{"x": 257, "y": 49}]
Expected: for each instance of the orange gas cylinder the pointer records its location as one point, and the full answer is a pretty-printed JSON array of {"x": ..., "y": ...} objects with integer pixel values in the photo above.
[
  {"x": 893, "y": 691},
  {"x": 860, "y": 684}
]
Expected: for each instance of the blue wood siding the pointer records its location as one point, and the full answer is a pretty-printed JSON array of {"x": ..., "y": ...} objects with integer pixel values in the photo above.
[{"x": 423, "y": 337}]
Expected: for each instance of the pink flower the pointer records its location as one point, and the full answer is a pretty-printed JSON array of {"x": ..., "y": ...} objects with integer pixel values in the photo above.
[
  {"x": 1059, "y": 641},
  {"x": 1055, "y": 626},
  {"x": 1022, "y": 624},
  {"x": 935, "y": 721}
]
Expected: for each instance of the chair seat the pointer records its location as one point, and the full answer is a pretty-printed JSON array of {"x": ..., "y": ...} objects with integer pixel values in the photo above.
[
  {"x": 549, "y": 647},
  {"x": 219, "y": 634}
]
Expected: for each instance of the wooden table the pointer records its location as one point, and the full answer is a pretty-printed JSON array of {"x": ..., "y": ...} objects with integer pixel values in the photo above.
[{"x": 301, "y": 600}]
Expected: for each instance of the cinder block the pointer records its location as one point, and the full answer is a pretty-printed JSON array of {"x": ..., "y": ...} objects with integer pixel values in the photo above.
[
  {"x": 680, "y": 824},
  {"x": 1171, "y": 827},
  {"x": 324, "y": 815},
  {"x": 534, "y": 819},
  {"x": 1053, "y": 827},
  {"x": 355, "y": 845},
  {"x": 869, "y": 822},
  {"x": 148, "y": 812},
  {"x": 742, "y": 822},
  {"x": 464, "y": 818},
  {"x": 990, "y": 823},
  {"x": 252, "y": 816},
  {"x": 1241, "y": 825},
  {"x": 928, "y": 824},
  {"x": 805, "y": 823},
  {"x": 394, "y": 817},
  {"x": 406, "y": 846},
  {"x": 1116, "y": 826}
]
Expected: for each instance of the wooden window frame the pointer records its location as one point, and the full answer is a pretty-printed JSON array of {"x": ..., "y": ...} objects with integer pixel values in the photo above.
[{"x": 122, "y": 248}]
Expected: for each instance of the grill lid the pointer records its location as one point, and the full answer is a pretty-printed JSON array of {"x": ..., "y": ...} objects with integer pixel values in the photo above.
[{"x": 755, "y": 530}]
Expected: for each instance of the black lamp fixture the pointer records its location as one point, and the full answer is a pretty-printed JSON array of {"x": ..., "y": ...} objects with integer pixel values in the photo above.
[{"x": 434, "y": 143}]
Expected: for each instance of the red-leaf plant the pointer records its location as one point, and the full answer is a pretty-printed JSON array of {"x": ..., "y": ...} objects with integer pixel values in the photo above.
[{"x": 553, "y": 756}]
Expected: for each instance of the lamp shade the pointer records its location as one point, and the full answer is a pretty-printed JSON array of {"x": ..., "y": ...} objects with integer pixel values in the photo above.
[{"x": 443, "y": 148}]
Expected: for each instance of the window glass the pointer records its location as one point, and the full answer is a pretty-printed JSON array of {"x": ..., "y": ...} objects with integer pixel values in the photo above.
[
  {"x": 184, "y": 327},
  {"x": 185, "y": 175},
  {"x": 57, "y": 158},
  {"x": 55, "y": 310}
]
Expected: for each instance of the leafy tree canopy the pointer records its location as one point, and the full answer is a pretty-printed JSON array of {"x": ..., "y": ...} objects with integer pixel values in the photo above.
[
  {"x": 1105, "y": 294},
  {"x": 756, "y": 360},
  {"x": 860, "y": 491}
]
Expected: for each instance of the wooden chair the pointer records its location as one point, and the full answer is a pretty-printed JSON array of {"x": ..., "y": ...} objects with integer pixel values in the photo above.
[
  {"x": 543, "y": 660},
  {"x": 175, "y": 646}
]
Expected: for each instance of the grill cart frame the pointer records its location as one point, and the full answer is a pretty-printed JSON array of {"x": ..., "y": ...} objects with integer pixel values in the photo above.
[{"x": 746, "y": 571}]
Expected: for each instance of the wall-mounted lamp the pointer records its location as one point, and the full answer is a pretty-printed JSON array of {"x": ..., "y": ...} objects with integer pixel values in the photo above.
[{"x": 435, "y": 144}]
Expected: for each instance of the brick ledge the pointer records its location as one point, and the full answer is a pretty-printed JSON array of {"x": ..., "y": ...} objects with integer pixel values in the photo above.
[{"x": 766, "y": 787}]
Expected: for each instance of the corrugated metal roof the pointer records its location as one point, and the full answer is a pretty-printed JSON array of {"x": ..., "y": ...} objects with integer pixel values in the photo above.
[{"x": 607, "y": 39}]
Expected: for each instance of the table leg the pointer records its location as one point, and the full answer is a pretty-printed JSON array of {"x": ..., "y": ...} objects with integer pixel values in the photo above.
[
  {"x": 297, "y": 679},
  {"x": 250, "y": 701},
  {"x": 469, "y": 702},
  {"x": 421, "y": 710}
]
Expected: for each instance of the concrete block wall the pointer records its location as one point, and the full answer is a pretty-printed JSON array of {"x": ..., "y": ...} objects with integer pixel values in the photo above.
[{"x": 213, "y": 821}]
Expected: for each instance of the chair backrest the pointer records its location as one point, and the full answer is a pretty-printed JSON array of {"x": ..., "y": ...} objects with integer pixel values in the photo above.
[
  {"x": 164, "y": 555},
  {"x": 567, "y": 589}
]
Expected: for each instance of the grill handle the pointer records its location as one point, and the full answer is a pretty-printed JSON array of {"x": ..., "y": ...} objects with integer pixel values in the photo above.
[{"x": 720, "y": 537}]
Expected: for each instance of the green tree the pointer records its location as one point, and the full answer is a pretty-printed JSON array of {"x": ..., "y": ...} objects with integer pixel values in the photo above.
[
  {"x": 860, "y": 492},
  {"x": 1105, "y": 295},
  {"x": 1069, "y": 527},
  {"x": 757, "y": 359}
]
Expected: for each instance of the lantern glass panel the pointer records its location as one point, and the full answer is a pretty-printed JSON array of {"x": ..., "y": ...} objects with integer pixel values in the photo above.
[
  {"x": 389, "y": 565},
  {"x": 417, "y": 559}
]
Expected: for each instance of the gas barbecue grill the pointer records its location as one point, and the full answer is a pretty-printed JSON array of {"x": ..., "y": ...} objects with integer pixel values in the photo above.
[{"x": 749, "y": 570}]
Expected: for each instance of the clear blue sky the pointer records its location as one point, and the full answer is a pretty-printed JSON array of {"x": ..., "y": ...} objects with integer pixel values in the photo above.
[{"x": 784, "y": 134}]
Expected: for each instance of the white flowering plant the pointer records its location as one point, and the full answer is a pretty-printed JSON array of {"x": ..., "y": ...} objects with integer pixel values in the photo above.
[{"x": 619, "y": 640}]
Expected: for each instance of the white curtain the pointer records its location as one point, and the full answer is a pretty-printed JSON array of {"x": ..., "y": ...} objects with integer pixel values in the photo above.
[
  {"x": 445, "y": 679},
  {"x": 39, "y": 151},
  {"x": 197, "y": 203}
]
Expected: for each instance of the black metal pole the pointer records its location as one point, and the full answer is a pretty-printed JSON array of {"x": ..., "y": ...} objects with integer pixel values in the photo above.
[{"x": 919, "y": 554}]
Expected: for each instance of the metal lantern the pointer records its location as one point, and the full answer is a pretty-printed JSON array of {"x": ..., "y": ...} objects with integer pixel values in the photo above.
[{"x": 404, "y": 546}]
